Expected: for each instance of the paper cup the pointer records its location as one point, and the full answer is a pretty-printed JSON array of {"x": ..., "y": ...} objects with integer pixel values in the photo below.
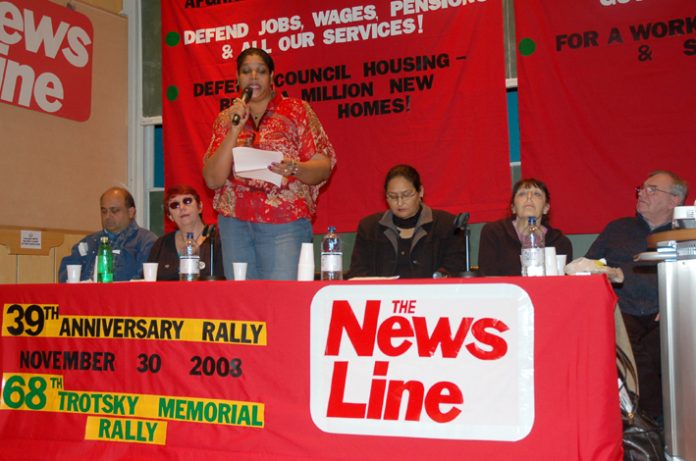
[
  {"x": 305, "y": 265},
  {"x": 74, "y": 271},
  {"x": 560, "y": 264},
  {"x": 550, "y": 264},
  {"x": 240, "y": 270},
  {"x": 150, "y": 272},
  {"x": 305, "y": 272},
  {"x": 306, "y": 254}
]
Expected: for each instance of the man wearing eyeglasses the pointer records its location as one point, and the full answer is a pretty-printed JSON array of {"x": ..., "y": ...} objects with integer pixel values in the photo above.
[
  {"x": 130, "y": 243},
  {"x": 638, "y": 295}
]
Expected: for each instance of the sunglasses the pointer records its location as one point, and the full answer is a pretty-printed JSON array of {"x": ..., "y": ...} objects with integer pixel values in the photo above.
[{"x": 185, "y": 201}]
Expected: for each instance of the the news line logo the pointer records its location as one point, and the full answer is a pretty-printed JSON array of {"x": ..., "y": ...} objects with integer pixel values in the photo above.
[{"x": 446, "y": 361}]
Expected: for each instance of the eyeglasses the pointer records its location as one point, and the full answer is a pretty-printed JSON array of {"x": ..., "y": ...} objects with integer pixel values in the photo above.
[
  {"x": 401, "y": 197},
  {"x": 650, "y": 190},
  {"x": 185, "y": 201}
]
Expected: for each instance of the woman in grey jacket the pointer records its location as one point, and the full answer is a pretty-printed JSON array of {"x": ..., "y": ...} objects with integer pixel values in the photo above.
[{"x": 410, "y": 239}]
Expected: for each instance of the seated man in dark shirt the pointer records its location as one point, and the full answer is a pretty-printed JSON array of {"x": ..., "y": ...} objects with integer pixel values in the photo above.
[{"x": 638, "y": 295}]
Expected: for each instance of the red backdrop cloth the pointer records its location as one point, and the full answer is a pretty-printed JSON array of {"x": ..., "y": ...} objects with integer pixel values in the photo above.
[
  {"x": 424, "y": 87},
  {"x": 606, "y": 97}
]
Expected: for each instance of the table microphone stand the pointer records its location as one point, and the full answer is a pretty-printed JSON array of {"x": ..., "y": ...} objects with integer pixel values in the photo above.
[
  {"x": 461, "y": 223},
  {"x": 211, "y": 237}
]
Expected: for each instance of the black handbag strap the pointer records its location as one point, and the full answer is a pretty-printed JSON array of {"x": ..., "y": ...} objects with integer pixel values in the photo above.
[{"x": 627, "y": 368}]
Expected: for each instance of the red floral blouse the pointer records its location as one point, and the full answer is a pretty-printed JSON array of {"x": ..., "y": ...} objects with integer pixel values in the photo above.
[{"x": 289, "y": 126}]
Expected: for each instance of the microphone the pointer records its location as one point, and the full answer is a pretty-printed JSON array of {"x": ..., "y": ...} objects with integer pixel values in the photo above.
[
  {"x": 211, "y": 233},
  {"x": 246, "y": 97},
  {"x": 461, "y": 221},
  {"x": 211, "y": 236}
]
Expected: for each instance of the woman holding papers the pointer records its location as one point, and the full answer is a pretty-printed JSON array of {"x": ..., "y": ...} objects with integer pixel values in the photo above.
[
  {"x": 182, "y": 204},
  {"x": 501, "y": 241},
  {"x": 264, "y": 220},
  {"x": 410, "y": 239}
]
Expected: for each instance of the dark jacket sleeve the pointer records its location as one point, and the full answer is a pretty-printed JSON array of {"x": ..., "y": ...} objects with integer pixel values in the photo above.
[
  {"x": 563, "y": 245},
  {"x": 441, "y": 248},
  {"x": 361, "y": 259},
  {"x": 598, "y": 248},
  {"x": 164, "y": 253},
  {"x": 487, "y": 254},
  {"x": 452, "y": 257},
  {"x": 500, "y": 248},
  {"x": 155, "y": 251}
]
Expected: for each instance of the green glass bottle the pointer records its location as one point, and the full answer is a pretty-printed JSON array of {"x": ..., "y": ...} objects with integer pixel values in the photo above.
[{"x": 105, "y": 261}]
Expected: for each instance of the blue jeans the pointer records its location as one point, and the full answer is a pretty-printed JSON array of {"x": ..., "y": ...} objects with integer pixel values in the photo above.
[{"x": 270, "y": 250}]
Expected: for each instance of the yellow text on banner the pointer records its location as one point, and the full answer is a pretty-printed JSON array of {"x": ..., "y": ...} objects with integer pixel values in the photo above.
[
  {"x": 34, "y": 320},
  {"x": 126, "y": 430},
  {"x": 38, "y": 392}
]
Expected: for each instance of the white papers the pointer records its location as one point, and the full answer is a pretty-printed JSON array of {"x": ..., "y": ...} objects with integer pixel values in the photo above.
[
  {"x": 253, "y": 164},
  {"x": 391, "y": 277}
]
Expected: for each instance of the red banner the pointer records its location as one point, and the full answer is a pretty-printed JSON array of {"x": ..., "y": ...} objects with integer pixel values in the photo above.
[
  {"x": 46, "y": 58},
  {"x": 494, "y": 369},
  {"x": 606, "y": 92},
  {"x": 392, "y": 82}
]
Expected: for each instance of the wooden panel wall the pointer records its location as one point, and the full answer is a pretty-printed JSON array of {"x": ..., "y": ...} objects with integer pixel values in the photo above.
[
  {"x": 53, "y": 170},
  {"x": 22, "y": 265}
]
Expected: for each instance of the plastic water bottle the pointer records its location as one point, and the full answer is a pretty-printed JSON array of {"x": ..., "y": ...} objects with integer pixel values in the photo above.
[
  {"x": 189, "y": 269},
  {"x": 331, "y": 256},
  {"x": 533, "y": 249},
  {"x": 105, "y": 261}
]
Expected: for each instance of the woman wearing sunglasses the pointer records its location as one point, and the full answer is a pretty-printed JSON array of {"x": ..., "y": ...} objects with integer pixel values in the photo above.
[{"x": 183, "y": 206}]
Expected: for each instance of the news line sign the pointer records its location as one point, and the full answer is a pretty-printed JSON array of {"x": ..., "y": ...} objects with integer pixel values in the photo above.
[
  {"x": 441, "y": 361},
  {"x": 46, "y": 58}
]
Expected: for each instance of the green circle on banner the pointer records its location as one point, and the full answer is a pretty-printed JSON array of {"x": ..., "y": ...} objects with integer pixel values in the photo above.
[
  {"x": 527, "y": 46},
  {"x": 172, "y": 38},
  {"x": 172, "y": 93}
]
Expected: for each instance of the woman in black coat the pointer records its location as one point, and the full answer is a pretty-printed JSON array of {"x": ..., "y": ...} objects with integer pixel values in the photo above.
[
  {"x": 183, "y": 206},
  {"x": 410, "y": 239},
  {"x": 500, "y": 245}
]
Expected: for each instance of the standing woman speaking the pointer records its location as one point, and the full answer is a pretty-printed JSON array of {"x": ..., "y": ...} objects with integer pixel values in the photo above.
[{"x": 262, "y": 224}]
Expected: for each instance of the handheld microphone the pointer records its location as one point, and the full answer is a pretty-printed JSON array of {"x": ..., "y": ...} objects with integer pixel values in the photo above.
[{"x": 246, "y": 97}]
